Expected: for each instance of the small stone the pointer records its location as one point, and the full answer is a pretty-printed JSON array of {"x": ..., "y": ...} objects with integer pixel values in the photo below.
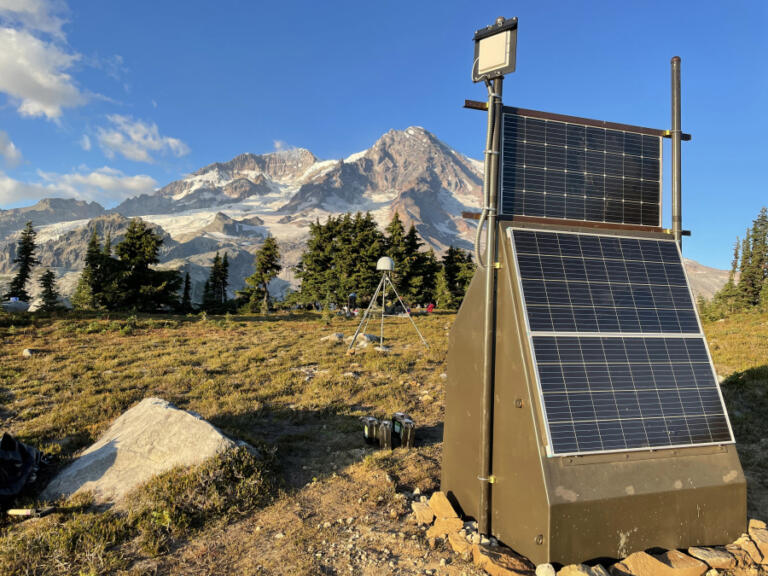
[
  {"x": 417, "y": 491},
  {"x": 574, "y": 570},
  {"x": 598, "y": 570},
  {"x": 759, "y": 535},
  {"x": 671, "y": 563},
  {"x": 29, "y": 352},
  {"x": 426, "y": 399},
  {"x": 742, "y": 558},
  {"x": 336, "y": 338},
  {"x": 422, "y": 512},
  {"x": 460, "y": 545},
  {"x": 545, "y": 570},
  {"x": 432, "y": 543},
  {"x": 746, "y": 544},
  {"x": 326, "y": 524},
  {"x": 444, "y": 526},
  {"x": 279, "y": 536},
  {"x": 501, "y": 562},
  {"x": 442, "y": 507},
  {"x": 717, "y": 558},
  {"x": 442, "y": 562}
]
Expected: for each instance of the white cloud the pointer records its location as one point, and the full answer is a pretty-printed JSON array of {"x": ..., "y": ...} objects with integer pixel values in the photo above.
[
  {"x": 33, "y": 73},
  {"x": 282, "y": 146},
  {"x": 9, "y": 151},
  {"x": 85, "y": 142},
  {"x": 137, "y": 140},
  {"x": 105, "y": 185},
  {"x": 39, "y": 15}
]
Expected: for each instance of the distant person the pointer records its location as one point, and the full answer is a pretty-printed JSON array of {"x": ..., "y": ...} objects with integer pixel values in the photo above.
[{"x": 430, "y": 307}]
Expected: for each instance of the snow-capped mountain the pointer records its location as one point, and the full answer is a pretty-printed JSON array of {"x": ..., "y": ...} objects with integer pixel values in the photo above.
[{"x": 232, "y": 206}]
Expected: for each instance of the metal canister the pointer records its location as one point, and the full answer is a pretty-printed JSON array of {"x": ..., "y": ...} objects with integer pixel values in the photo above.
[
  {"x": 385, "y": 434},
  {"x": 370, "y": 429},
  {"x": 403, "y": 430}
]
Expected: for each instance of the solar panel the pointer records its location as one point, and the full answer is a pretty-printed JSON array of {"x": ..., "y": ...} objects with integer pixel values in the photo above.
[
  {"x": 603, "y": 284},
  {"x": 567, "y": 170},
  {"x": 620, "y": 357}
]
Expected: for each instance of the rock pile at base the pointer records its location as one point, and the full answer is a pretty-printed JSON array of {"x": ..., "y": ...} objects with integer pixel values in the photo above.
[
  {"x": 747, "y": 556},
  {"x": 150, "y": 438}
]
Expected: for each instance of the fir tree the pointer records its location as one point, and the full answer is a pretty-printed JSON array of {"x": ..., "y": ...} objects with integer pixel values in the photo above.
[
  {"x": 83, "y": 298},
  {"x": 208, "y": 300},
  {"x": 186, "y": 298},
  {"x": 136, "y": 284},
  {"x": 50, "y": 293},
  {"x": 266, "y": 268},
  {"x": 217, "y": 284},
  {"x": 25, "y": 258}
]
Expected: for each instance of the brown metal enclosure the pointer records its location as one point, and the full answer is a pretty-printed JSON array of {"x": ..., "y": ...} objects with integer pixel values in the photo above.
[{"x": 575, "y": 508}]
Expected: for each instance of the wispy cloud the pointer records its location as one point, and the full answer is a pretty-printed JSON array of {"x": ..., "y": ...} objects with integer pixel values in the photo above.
[
  {"x": 8, "y": 151},
  {"x": 34, "y": 58},
  {"x": 85, "y": 142},
  {"x": 137, "y": 140},
  {"x": 282, "y": 146},
  {"x": 105, "y": 185},
  {"x": 39, "y": 15}
]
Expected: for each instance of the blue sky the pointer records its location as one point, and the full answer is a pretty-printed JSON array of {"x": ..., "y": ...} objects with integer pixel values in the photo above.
[{"x": 103, "y": 100}]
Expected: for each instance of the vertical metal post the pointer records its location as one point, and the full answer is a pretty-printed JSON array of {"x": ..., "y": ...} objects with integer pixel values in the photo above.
[
  {"x": 492, "y": 176},
  {"x": 677, "y": 219}
]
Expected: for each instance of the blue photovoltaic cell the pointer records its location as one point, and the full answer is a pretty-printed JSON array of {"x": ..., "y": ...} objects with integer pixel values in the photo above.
[
  {"x": 571, "y": 171},
  {"x": 620, "y": 357}
]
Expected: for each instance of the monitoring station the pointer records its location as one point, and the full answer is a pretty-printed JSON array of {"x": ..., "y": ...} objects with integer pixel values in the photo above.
[{"x": 583, "y": 414}]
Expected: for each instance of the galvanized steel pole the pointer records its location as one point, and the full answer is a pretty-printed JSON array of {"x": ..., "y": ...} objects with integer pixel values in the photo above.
[
  {"x": 677, "y": 219},
  {"x": 492, "y": 177}
]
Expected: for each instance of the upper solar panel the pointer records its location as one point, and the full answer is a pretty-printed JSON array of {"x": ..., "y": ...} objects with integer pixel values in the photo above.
[{"x": 566, "y": 170}]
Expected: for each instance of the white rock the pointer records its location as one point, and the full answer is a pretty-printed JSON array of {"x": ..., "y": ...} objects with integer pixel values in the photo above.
[
  {"x": 545, "y": 570},
  {"x": 150, "y": 438}
]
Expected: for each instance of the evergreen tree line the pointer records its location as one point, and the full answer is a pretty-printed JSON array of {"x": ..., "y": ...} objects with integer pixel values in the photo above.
[
  {"x": 747, "y": 286},
  {"x": 340, "y": 259},
  {"x": 341, "y": 256}
]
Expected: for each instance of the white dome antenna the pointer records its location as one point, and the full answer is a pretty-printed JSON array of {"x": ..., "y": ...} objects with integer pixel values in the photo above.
[{"x": 385, "y": 264}]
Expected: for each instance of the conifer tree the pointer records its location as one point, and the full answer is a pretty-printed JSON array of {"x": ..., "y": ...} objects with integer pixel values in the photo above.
[
  {"x": 136, "y": 284},
  {"x": 266, "y": 268},
  {"x": 83, "y": 298},
  {"x": 208, "y": 300},
  {"x": 186, "y": 298},
  {"x": 50, "y": 293},
  {"x": 25, "y": 258}
]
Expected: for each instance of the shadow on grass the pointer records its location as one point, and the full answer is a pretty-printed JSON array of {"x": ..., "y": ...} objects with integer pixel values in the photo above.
[{"x": 311, "y": 444}]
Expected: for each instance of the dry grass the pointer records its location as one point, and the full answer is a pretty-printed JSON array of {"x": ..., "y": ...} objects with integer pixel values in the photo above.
[
  {"x": 268, "y": 380},
  {"x": 271, "y": 381}
]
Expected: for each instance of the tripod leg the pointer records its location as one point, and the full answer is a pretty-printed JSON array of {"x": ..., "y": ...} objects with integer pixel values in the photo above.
[
  {"x": 383, "y": 308},
  {"x": 362, "y": 320},
  {"x": 407, "y": 313}
]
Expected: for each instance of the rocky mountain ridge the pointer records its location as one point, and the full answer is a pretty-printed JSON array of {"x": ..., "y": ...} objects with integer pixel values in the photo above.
[{"x": 232, "y": 206}]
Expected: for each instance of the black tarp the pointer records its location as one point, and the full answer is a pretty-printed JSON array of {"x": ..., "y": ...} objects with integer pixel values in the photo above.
[{"x": 18, "y": 466}]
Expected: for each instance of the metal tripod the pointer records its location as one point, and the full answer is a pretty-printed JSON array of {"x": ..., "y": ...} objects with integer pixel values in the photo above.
[{"x": 382, "y": 287}]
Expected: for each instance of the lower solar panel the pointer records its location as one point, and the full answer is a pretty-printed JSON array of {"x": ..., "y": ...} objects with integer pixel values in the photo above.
[
  {"x": 620, "y": 358},
  {"x": 620, "y": 393}
]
